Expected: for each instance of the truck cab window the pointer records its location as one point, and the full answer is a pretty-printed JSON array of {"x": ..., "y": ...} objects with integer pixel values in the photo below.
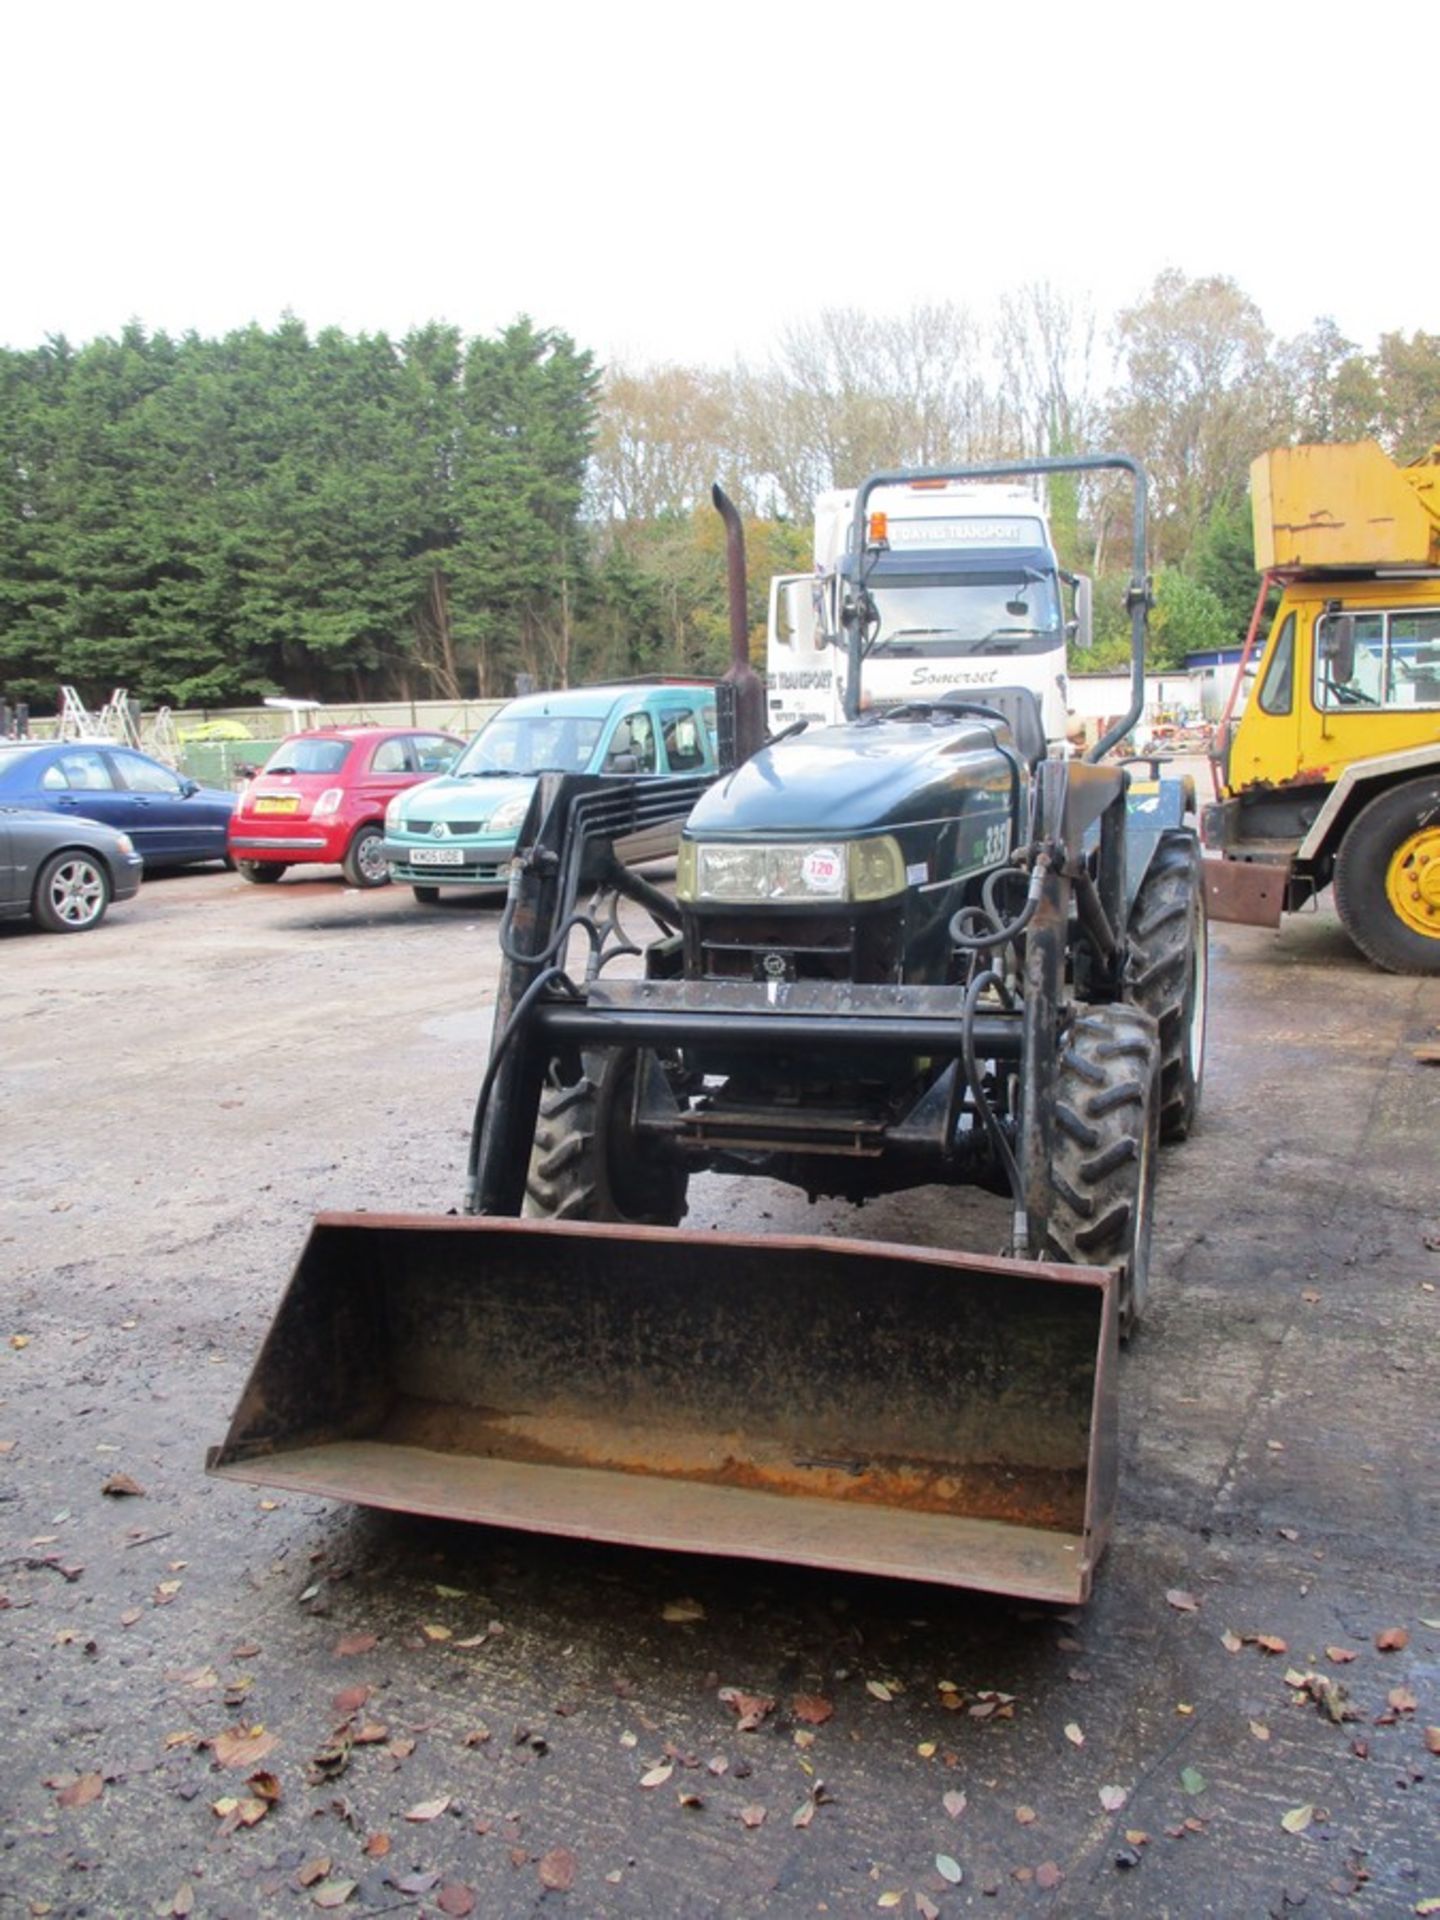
[{"x": 1277, "y": 693}]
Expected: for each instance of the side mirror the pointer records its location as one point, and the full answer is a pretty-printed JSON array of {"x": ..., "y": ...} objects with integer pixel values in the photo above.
[
  {"x": 188, "y": 787},
  {"x": 1337, "y": 645},
  {"x": 1084, "y": 611}
]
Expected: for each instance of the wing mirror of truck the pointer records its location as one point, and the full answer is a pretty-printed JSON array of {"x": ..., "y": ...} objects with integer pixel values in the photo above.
[{"x": 1337, "y": 645}]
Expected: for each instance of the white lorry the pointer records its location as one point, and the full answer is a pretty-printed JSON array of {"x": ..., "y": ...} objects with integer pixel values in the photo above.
[{"x": 956, "y": 587}]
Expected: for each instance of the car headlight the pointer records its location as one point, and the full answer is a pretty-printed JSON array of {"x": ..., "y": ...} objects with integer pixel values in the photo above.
[
  {"x": 395, "y": 815},
  {"x": 328, "y": 803},
  {"x": 748, "y": 873},
  {"x": 509, "y": 816},
  {"x": 125, "y": 844}
]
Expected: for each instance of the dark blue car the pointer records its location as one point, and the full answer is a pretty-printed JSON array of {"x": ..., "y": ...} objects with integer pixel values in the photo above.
[{"x": 172, "y": 821}]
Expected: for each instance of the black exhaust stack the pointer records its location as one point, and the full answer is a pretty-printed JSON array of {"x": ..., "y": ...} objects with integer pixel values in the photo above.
[{"x": 741, "y": 697}]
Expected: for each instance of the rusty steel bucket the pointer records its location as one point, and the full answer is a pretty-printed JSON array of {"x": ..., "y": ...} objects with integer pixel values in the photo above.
[{"x": 830, "y": 1403}]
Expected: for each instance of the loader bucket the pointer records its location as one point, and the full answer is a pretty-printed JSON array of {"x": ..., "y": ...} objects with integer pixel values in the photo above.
[{"x": 881, "y": 1409}]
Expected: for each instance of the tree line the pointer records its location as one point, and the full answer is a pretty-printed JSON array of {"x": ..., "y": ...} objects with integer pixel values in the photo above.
[{"x": 205, "y": 521}]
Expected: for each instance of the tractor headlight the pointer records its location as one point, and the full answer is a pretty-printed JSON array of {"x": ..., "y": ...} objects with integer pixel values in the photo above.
[{"x": 751, "y": 873}]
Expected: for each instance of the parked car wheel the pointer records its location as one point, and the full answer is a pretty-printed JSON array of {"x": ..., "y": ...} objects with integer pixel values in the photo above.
[
  {"x": 365, "y": 864},
  {"x": 71, "y": 893},
  {"x": 260, "y": 873},
  {"x": 427, "y": 896}
]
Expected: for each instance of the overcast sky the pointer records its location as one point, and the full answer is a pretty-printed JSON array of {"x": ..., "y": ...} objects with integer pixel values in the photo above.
[{"x": 672, "y": 182}]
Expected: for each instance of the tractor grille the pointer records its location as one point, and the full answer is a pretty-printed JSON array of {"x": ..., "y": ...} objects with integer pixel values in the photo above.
[{"x": 865, "y": 949}]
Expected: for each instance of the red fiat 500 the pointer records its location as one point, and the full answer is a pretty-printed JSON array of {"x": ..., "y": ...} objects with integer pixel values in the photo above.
[{"x": 321, "y": 798}]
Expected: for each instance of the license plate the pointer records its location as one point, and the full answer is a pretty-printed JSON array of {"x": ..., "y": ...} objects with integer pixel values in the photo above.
[
  {"x": 437, "y": 856},
  {"x": 278, "y": 803}
]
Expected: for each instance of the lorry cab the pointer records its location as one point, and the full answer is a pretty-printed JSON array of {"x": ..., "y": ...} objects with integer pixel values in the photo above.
[{"x": 959, "y": 588}]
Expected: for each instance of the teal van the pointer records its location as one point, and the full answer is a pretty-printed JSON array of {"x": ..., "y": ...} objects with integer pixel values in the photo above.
[{"x": 460, "y": 830}]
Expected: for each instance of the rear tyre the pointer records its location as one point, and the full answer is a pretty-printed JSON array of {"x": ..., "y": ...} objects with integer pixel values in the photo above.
[
  {"x": 586, "y": 1163},
  {"x": 260, "y": 873},
  {"x": 1387, "y": 878},
  {"x": 71, "y": 894},
  {"x": 1167, "y": 974},
  {"x": 427, "y": 896},
  {"x": 1102, "y": 1167},
  {"x": 364, "y": 864}
]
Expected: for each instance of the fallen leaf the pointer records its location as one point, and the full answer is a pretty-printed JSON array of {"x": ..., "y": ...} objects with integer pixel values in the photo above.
[
  {"x": 1112, "y": 1799},
  {"x": 810, "y": 1708},
  {"x": 657, "y": 1776},
  {"x": 1073, "y": 1733},
  {"x": 264, "y": 1786},
  {"x": 750, "y": 1708},
  {"x": 1048, "y": 1875},
  {"x": 314, "y": 1870},
  {"x": 350, "y": 1700},
  {"x": 1297, "y": 1819},
  {"x": 691, "y": 1800},
  {"x": 1231, "y": 1641},
  {"x": 682, "y": 1611},
  {"x": 891, "y": 1899},
  {"x": 1259, "y": 1729},
  {"x": 377, "y": 1846},
  {"x": 1182, "y": 1601},
  {"x": 476, "y": 1737},
  {"x": 1432, "y": 1739},
  {"x": 183, "y": 1903},
  {"x": 803, "y": 1814},
  {"x": 1401, "y": 1700},
  {"x": 1392, "y": 1639},
  {"x": 1192, "y": 1780},
  {"x": 926, "y": 1749},
  {"x": 456, "y": 1899},
  {"x": 948, "y": 1869},
  {"x": 1025, "y": 1815},
  {"x": 1340, "y": 1655},
  {"x": 120, "y": 1484},
  {"x": 752, "y": 1816},
  {"x": 401, "y": 1748},
  {"x": 333, "y": 1893},
  {"x": 557, "y": 1869},
  {"x": 129, "y": 1616},
  {"x": 428, "y": 1809},
  {"x": 879, "y": 1689},
  {"x": 1432, "y": 1905},
  {"x": 438, "y": 1633},
  {"x": 1268, "y": 1642},
  {"x": 19, "y": 1340},
  {"x": 954, "y": 1804},
  {"x": 79, "y": 1793},
  {"x": 419, "y": 1884},
  {"x": 243, "y": 1746},
  {"x": 353, "y": 1643},
  {"x": 925, "y": 1906}
]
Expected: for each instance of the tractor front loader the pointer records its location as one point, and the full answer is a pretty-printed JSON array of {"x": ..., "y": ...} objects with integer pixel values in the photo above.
[{"x": 908, "y": 950}]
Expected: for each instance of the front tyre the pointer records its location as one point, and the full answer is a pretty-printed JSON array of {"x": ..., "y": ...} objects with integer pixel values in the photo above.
[
  {"x": 1167, "y": 973},
  {"x": 1387, "y": 878},
  {"x": 364, "y": 864},
  {"x": 586, "y": 1163},
  {"x": 1101, "y": 1176},
  {"x": 72, "y": 891}
]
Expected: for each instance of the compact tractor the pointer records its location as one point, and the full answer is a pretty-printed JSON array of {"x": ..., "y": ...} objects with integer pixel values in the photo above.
[{"x": 911, "y": 949}]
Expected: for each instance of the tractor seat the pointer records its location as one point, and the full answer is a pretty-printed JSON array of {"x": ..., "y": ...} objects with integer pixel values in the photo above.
[{"x": 1020, "y": 708}]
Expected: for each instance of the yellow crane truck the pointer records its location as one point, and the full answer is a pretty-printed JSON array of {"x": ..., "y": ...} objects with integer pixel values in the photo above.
[{"x": 1331, "y": 773}]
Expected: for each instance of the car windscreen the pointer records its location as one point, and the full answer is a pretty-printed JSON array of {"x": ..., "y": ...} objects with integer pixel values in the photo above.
[
  {"x": 532, "y": 743},
  {"x": 308, "y": 756}
]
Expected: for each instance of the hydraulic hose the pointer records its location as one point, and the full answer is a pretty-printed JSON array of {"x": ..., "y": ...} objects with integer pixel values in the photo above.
[
  {"x": 552, "y": 976},
  {"x": 995, "y": 1133}
]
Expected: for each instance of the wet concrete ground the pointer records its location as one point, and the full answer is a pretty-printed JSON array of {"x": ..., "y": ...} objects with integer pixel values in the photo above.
[{"x": 183, "y": 1088}]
